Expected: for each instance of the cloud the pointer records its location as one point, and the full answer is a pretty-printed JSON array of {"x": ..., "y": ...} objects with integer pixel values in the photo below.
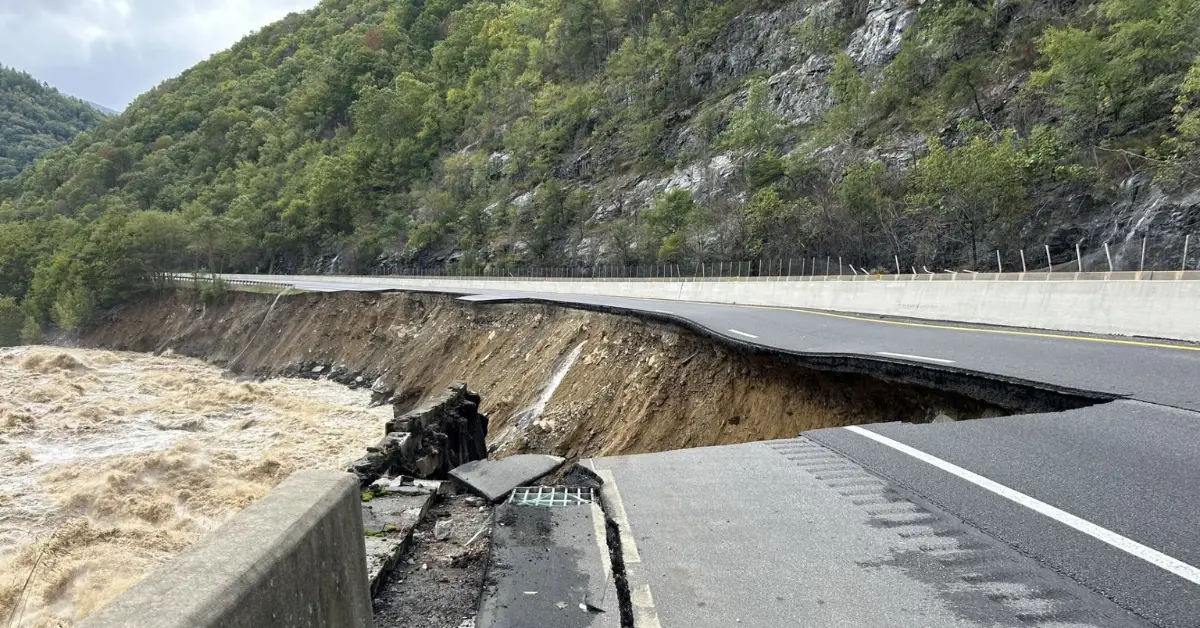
[{"x": 109, "y": 51}]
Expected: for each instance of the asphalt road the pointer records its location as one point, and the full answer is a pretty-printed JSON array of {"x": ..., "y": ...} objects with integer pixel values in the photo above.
[
  {"x": 1128, "y": 467},
  {"x": 1153, "y": 371},
  {"x": 1106, "y": 498},
  {"x": 788, "y": 533}
]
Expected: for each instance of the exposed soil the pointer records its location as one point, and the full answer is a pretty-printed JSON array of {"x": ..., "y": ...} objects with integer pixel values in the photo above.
[
  {"x": 438, "y": 582},
  {"x": 634, "y": 387}
]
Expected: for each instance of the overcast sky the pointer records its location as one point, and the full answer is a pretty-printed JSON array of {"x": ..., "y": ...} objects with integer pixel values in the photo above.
[{"x": 109, "y": 51}]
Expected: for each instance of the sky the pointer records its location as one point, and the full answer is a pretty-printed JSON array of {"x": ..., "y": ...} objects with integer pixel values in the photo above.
[{"x": 109, "y": 51}]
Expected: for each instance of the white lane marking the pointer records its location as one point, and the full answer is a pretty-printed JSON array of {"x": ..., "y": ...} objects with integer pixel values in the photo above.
[
  {"x": 644, "y": 613},
  {"x": 915, "y": 357},
  {"x": 742, "y": 333},
  {"x": 1150, "y": 555},
  {"x": 665, "y": 312},
  {"x": 612, "y": 498}
]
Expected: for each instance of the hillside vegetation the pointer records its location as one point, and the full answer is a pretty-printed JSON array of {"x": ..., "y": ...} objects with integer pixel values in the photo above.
[
  {"x": 35, "y": 119},
  {"x": 370, "y": 134}
]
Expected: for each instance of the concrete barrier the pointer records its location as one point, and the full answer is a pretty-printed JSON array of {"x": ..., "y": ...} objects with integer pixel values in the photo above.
[
  {"x": 296, "y": 559},
  {"x": 1164, "y": 305}
]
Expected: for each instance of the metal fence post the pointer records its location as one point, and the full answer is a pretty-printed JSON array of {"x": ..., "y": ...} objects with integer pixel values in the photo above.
[
  {"x": 897, "y": 258},
  {"x": 839, "y": 266},
  {"x": 999, "y": 265},
  {"x": 1078, "y": 257},
  {"x": 1024, "y": 269},
  {"x": 1049, "y": 262}
]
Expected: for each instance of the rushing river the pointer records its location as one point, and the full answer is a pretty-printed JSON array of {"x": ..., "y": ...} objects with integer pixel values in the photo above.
[{"x": 111, "y": 463}]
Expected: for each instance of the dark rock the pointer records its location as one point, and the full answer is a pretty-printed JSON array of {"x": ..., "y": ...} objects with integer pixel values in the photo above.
[{"x": 440, "y": 434}]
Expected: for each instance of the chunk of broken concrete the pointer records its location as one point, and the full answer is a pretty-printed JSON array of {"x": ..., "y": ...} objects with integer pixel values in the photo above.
[
  {"x": 443, "y": 529},
  {"x": 436, "y": 487},
  {"x": 495, "y": 479}
]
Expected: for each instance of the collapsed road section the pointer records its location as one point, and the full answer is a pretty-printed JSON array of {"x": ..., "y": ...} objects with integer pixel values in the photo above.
[
  {"x": 585, "y": 384},
  {"x": 559, "y": 381},
  {"x": 539, "y": 554}
]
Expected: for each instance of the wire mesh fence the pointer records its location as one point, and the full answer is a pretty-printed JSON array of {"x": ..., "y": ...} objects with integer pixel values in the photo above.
[{"x": 1141, "y": 256}]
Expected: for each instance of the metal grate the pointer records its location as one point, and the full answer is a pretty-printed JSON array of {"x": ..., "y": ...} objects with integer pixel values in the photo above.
[{"x": 552, "y": 496}]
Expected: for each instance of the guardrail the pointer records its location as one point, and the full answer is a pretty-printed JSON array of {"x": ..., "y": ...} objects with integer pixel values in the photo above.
[
  {"x": 1149, "y": 275},
  {"x": 1126, "y": 304},
  {"x": 182, "y": 279}
]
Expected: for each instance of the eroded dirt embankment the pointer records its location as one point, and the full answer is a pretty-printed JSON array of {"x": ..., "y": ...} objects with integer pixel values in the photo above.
[{"x": 631, "y": 386}]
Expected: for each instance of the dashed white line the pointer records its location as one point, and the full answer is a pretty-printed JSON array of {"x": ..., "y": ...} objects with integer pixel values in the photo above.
[
  {"x": 1150, "y": 555},
  {"x": 915, "y": 357},
  {"x": 742, "y": 333}
]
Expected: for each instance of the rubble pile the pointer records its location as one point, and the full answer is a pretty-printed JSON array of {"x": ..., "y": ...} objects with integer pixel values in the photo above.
[{"x": 439, "y": 435}]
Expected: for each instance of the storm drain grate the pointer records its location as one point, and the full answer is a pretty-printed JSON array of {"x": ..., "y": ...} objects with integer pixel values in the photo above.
[{"x": 552, "y": 496}]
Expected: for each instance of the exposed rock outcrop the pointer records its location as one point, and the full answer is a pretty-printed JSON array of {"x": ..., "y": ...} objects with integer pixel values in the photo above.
[
  {"x": 441, "y": 434},
  {"x": 877, "y": 41}
]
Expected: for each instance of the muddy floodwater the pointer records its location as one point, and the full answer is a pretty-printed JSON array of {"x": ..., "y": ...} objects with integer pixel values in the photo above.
[{"x": 111, "y": 463}]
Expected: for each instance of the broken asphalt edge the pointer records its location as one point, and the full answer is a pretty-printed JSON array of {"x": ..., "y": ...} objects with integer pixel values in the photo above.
[
  {"x": 616, "y": 555},
  {"x": 381, "y": 575}
]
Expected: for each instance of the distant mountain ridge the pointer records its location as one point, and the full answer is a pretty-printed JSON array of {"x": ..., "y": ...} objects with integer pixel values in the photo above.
[
  {"x": 36, "y": 118},
  {"x": 102, "y": 109},
  {"x": 485, "y": 137}
]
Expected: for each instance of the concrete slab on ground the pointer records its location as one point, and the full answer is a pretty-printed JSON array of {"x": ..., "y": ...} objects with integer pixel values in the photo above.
[
  {"x": 549, "y": 567},
  {"x": 495, "y": 479},
  {"x": 389, "y": 521},
  {"x": 789, "y": 533}
]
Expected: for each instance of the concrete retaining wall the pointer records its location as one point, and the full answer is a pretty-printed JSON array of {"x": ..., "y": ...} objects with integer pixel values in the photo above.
[
  {"x": 293, "y": 560},
  {"x": 1086, "y": 302}
]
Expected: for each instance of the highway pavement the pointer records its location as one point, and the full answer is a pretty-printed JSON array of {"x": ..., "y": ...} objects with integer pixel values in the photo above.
[
  {"x": 1158, "y": 372},
  {"x": 1086, "y": 517}
]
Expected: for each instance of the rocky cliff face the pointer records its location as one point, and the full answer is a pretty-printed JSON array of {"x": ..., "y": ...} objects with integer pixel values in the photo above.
[{"x": 778, "y": 45}]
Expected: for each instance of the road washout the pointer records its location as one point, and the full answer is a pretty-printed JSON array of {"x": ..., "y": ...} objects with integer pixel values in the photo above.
[
  {"x": 111, "y": 463},
  {"x": 619, "y": 385}
]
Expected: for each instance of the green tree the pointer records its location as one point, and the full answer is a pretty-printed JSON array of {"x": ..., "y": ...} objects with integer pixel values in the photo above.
[
  {"x": 73, "y": 307},
  {"x": 35, "y": 119},
  {"x": 775, "y": 227},
  {"x": 672, "y": 225},
  {"x": 971, "y": 187},
  {"x": 1183, "y": 145},
  {"x": 159, "y": 242},
  {"x": 850, "y": 98},
  {"x": 755, "y": 125},
  {"x": 1123, "y": 71},
  {"x": 11, "y": 321}
]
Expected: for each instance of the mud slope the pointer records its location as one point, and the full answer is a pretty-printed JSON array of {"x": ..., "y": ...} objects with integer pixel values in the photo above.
[{"x": 632, "y": 387}]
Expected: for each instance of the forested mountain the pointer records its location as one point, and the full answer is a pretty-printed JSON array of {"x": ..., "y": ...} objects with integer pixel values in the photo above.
[
  {"x": 366, "y": 134},
  {"x": 35, "y": 119}
]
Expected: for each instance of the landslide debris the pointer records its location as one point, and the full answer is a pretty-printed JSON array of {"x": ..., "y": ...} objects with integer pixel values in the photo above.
[{"x": 633, "y": 386}]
